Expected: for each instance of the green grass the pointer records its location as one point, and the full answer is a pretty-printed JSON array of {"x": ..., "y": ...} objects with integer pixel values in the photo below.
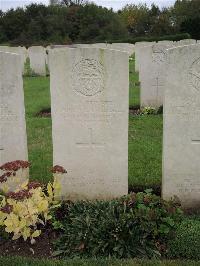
[
  {"x": 145, "y": 150},
  {"x": 134, "y": 89},
  {"x": 37, "y": 97},
  {"x": 145, "y": 136},
  {"x": 37, "y": 94},
  {"x": 18, "y": 261}
]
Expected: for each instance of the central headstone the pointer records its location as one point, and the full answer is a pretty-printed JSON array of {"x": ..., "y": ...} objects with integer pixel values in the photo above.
[
  {"x": 37, "y": 56},
  {"x": 138, "y": 52},
  {"x": 89, "y": 91},
  {"x": 152, "y": 74}
]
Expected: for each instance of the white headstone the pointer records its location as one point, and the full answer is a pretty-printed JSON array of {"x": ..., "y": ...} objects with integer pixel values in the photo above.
[
  {"x": 89, "y": 92},
  {"x": 141, "y": 58},
  {"x": 181, "y": 148},
  {"x": 137, "y": 48},
  {"x": 13, "y": 140},
  {"x": 22, "y": 51},
  {"x": 152, "y": 75},
  {"x": 166, "y": 42},
  {"x": 37, "y": 56},
  {"x": 186, "y": 42},
  {"x": 123, "y": 47}
]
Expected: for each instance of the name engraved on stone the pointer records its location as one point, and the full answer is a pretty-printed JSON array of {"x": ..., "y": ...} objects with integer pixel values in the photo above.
[
  {"x": 6, "y": 114},
  {"x": 189, "y": 186},
  {"x": 93, "y": 111},
  {"x": 91, "y": 143},
  {"x": 194, "y": 75},
  {"x": 88, "y": 77}
]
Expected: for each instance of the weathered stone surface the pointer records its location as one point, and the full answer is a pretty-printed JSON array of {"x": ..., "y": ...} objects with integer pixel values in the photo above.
[
  {"x": 37, "y": 56},
  {"x": 89, "y": 92},
  {"x": 138, "y": 47},
  {"x": 22, "y": 51},
  {"x": 186, "y": 42},
  {"x": 152, "y": 74},
  {"x": 13, "y": 140},
  {"x": 166, "y": 42},
  {"x": 123, "y": 47},
  {"x": 181, "y": 145},
  {"x": 141, "y": 59}
]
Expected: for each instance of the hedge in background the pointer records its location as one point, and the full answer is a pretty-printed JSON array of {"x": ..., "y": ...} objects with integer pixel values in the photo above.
[
  {"x": 138, "y": 225},
  {"x": 175, "y": 37}
]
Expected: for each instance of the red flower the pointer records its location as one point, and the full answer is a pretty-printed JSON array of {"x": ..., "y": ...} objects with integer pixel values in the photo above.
[
  {"x": 7, "y": 208},
  {"x": 58, "y": 169},
  {"x": 3, "y": 178},
  {"x": 20, "y": 195},
  {"x": 15, "y": 165},
  {"x": 34, "y": 184}
]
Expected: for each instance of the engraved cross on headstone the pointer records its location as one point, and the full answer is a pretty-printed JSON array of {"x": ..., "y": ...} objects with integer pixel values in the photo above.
[
  {"x": 196, "y": 140},
  {"x": 91, "y": 143},
  {"x": 1, "y": 150},
  {"x": 158, "y": 84},
  {"x": 1, "y": 145}
]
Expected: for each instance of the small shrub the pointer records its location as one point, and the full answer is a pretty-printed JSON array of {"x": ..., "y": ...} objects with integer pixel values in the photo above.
[
  {"x": 187, "y": 242},
  {"x": 149, "y": 110},
  {"x": 137, "y": 225},
  {"x": 160, "y": 110},
  {"x": 25, "y": 210}
]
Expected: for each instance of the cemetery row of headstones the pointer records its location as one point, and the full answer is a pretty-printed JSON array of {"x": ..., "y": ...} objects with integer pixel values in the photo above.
[
  {"x": 150, "y": 63},
  {"x": 39, "y": 60},
  {"x": 89, "y": 93}
]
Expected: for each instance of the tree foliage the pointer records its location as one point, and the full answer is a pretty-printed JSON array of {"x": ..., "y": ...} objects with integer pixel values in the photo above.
[
  {"x": 60, "y": 24},
  {"x": 67, "y": 21},
  {"x": 67, "y": 2}
]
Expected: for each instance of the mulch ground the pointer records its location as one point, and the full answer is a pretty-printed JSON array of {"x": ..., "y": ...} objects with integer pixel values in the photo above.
[
  {"x": 156, "y": 189},
  {"x": 42, "y": 248}
]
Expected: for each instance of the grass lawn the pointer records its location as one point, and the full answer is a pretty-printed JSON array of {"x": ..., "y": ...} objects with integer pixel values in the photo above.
[
  {"x": 134, "y": 89},
  {"x": 17, "y": 261},
  {"x": 145, "y": 135},
  {"x": 37, "y": 97},
  {"x": 145, "y": 150}
]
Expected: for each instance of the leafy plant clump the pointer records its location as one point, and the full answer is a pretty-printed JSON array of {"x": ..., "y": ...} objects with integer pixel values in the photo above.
[
  {"x": 24, "y": 211},
  {"x": 149, "y": 110},
  {"x": 137, "y": 225},
  {"x": 187, "y": 242}
]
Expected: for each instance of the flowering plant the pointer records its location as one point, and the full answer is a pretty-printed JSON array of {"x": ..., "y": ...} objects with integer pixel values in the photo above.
[{"x": 23, "y": 211}]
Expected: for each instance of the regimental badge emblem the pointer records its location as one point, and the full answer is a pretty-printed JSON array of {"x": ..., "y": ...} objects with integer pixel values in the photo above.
[{"x": 88, "y": 77}]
